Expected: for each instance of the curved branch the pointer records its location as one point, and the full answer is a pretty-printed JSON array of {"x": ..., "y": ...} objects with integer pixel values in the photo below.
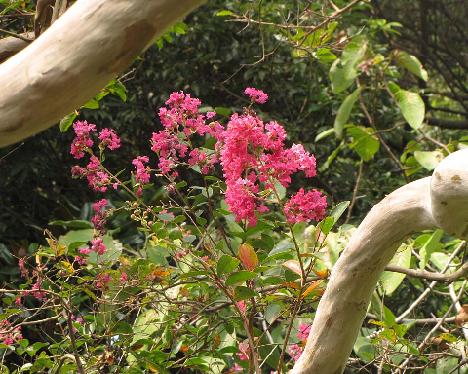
[
  {"x": 73, "y": 59},
  {"x": 437, "y": 201},
  {"x": 423, "y": 274},
  {"x": 11, "y": 45}
]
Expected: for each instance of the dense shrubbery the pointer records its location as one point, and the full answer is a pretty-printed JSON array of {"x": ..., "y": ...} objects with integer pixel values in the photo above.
[{"x": 200, "y": 255}]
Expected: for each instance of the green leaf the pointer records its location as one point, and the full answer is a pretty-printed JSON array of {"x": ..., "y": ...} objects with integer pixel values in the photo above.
[
  {"x": 344, "y": 111},
  {"x": 344, "y": 70},
  {"x": 433, "y": 244},
  {"x": 429, "y": 160},
  {"x": 243, "y": 293},
  {"x": 324, "y": 134},
  {"x": 365, "y": 143},
  {"x": 76, "y": 224},
  {"x": 226, "y": 264},
  {"x": 91, "y": 104},
  {"x": 239, "y": 277},
  {"x": 67, "y": 121},
  {"x": 391, "y": 280},
  {"x": 411, "y": 105},
  {"x": 411, "y": 63},
  {"x": 224, "y": 13}
]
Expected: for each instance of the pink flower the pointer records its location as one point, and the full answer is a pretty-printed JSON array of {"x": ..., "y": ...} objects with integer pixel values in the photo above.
[
  {"x": 102, "y": 280},
  {"x": 142, "y": 173},
  {"x": 82, "y": 141},
  {"x": 295, "y": 351},
  {"x": 242, "y": 201},
  {"x": 80, "y": 260},
  {"x": 22, "y": 266},
  {"x": 85, "y": 251},
  {"x": 257, "y": 96},
  {"x": 36, "y": 290},
  {"x": 97, "y": 245},
  {"x": 236, "y": 369},
  {"x": 123, "y": 277},
  {"x": 8, "y": 334},
  {"x": 109, "y": 139},
  {"x": 303, "y": 332},
  {"x": 244, "y": 350},
  {"x": 242, "y": 306},
  {"x": 99, "y": 219},
  {"x": 303, "y": 207}
]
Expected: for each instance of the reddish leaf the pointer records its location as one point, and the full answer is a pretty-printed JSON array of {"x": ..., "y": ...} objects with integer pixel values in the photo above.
[
  {"x": 311, "y": 287},
  {"x": 294, "y": 266},
  {"x": 248, "y": 256}
]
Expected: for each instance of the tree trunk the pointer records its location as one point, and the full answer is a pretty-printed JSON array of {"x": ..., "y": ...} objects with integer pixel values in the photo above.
[
  {"x": 79, "y": 54},
  {"x": 440, "y": 201}
]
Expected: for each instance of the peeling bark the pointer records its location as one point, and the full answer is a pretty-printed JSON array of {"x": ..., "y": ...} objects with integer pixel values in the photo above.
[
  {"x": 440, "y": 201},
  {"x": 73, "y": 59}
]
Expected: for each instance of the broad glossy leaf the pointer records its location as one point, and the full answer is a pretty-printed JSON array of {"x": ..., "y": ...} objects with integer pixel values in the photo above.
[
  {"x": 248, "y": 256},
  {"x": 411, "y": 105},
  {"x": 294, "y": 266},
  {"x": 411, "y": 63},
  {"x": 428, "y": 160},
  {"x": 226, "y": 264},
  {"x": 365, "y": 143},
  {"x": 344, "y": 111},
  {"x": 391, "y": 280},
  {"x": 240, "y": 277}
]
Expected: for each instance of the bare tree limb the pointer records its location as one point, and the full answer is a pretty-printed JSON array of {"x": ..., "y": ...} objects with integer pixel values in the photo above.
[
  {"x": 440, "y": 201},
  {"x": 423, "y": 274},
  {"x": 94, "y": 41},
  {"x": 448, "y": 123},
  {"x": 11, "y": 45}
]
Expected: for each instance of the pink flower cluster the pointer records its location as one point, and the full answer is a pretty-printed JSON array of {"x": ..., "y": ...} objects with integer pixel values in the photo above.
[
  {"x": 305, "y": 206},
  {"x": 253, "y": 155},
  {"x": 98, "y": 178},
  {"x": 100, "y": 216},
  {"x": 9, "y": 334},
  {"x": 97, "y": 245},
  {"x": 257, "y": 96},
  {"x": 181, "y": 119},
  {"x": 244, "y": 350},
  {"x": 303, "y": 331},
  {"x": 295, "y": 351}
]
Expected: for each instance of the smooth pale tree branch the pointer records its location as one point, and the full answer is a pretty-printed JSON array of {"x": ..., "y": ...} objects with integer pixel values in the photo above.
[
  {"x": 11, "y": 45},
  {"x": 423, "y": 274},
  {"x": 440, "y": 201},
  {"x": 93, "y": 42}
]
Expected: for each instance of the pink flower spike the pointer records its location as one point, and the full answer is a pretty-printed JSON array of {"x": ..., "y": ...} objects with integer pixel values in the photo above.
[
  {"x": 123, "y": 277},
  {"x": 256, "y": 96},
  {"x": 142, "y": 172},
  {"x": 109, "y": 139},
  {"x": 303, "y": 207},
  {"x": 295, "y": 351},
  {"x": 97, "y": 245},
  {"x": 85, "y": 251},
  {"x": 303, "y": 332}
]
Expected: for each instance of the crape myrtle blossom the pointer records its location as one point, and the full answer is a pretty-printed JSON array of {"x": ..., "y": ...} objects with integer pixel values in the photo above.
[
  {"x": 99, "y": 218},
  {"x": 98, "y": 178},
  {"x": 295, "y": 351},
  {"x": 303, "y": 331},
  {"x": 109, "y": 139},
  {"x": 305, "y": 206},
  {"x": 142, "y": 174},
  {"x": 257, "y": 96},
  {"x": 253, "y": 155},
  {"x": 9, "y": 334}
]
